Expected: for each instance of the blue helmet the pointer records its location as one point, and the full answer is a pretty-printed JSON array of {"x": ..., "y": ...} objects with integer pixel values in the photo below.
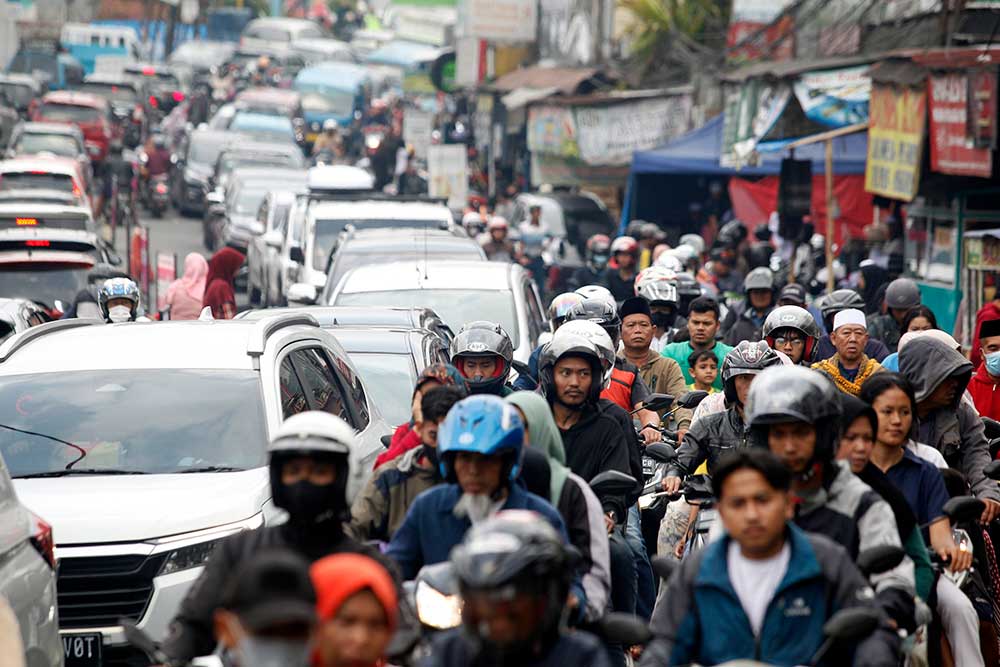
[{"x": 484, "y": 424}]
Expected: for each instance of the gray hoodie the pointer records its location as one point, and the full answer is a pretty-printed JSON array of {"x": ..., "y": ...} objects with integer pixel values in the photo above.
[{"x": 956, "y": 431}]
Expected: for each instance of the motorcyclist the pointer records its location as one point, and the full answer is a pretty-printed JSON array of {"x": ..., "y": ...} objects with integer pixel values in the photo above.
[
  {"x": 312, "y": 477},
  {"x": 849, "y": 367},
  {"x": 662, "y": 298},
  {"x": 596, "y": 256},
  {"x": 621, "y": 280},
  {"x": 793, "y": 331},
  {"x": 829, "y": 306},
  {"x": 745, "y": 320},
  {"x": 901, "y": 295},
  {"x": 116, "y": 171},
  {"x": 558, "y": 309},
  {"x": 119, "y": 300},
  {"x": 514, "y": 574},
  {"x": 759, "y": 253},
  {"x": 482, "y": 352},
  {"x": 156, "y": 162},
  {"x": 498, "y": 247},
  {"x": 329, "y": 139}
]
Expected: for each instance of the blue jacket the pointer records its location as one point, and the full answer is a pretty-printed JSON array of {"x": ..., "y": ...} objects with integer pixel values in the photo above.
[
  {"x": 699, "y": 617},
  {"x": 431, "y": 530},
  {"x": 530, "y": 383}
]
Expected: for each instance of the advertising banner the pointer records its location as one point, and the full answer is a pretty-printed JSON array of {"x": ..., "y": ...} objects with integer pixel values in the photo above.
[
  {"x": 982, "y": 102},
  {"x": 499, "y": 20},
  {"x": 952, "y": 151},
  {"x": 750, "y": 17},
  {"x": 895, "y": 137},
  {"x": 750, "y": 115},
  {"x": 609, "y": 135},
  {"x": 552, "y": 130},
  {"x": 568, "y": 30},
  {"x": 835, "y": 98},
  {"x": 449, "y": 173}
]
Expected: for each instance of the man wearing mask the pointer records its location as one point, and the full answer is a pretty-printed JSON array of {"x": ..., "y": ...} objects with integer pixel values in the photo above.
[
  {"x": 983, "y": 386},
  {"x": 849, "y": 367},
  {"x": 267, "y": 612},
  {"x": 745, "y": 320},
  {"x": 901, "y": 295},
  {"x": 311, "y": 473},
  {"x": 663, "y": 311},
  {"x": 702, "y": 326},
  {"x": 597, "y": 254},
  {"x": 498, "y": 247}
]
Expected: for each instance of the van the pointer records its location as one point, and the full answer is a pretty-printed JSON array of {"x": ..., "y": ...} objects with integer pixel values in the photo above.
[
  {"x": 331, "y": 90},
  {"x": 96, "y": 47}
]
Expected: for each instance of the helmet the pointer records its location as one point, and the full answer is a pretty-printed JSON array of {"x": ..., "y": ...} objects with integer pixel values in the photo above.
[
  {"x": 732, "y": 233},
  {"x": 596, "y": 292},
  {"x": 659, "y": 292},
  {"x": 159, "y": 141},
  {"x": 693, "y": 240},
  {"x": 330, "y": 125},
  {"x": 793, "y": 317},
  {"x": 795, "y": 393},
  {"x": 649, "y": 230},
  {"x": 598, "y": 251},
  {"x": 593, "y": 332},
  {"x": 902, "y": 294},
  {"x": 568, "y": 346},
  {"x": 560, "y": 307},
  {"x": 600, "y": 312},
  {"x": 670, "y": 262},
  {"x": 625, "y": 244},
  {"x": 118, "y": 288},
  {"x": 321, "y": 436},
  {"x": 497, "y": 222},
  {"x": 473, "y": 222},
  {"x": 688, "y": 290},
  {"x": 747, "y": 358},
  {"x": 836, "y": 301},
  {"x": 634, "y": 228},
  {"x": 483, "y": 339},
  {"x": 654, "y": 274},
  {"x": 759, "y": 278},
  {"x": 485, "y": 425},
  {"x": 684, "y": 253}
]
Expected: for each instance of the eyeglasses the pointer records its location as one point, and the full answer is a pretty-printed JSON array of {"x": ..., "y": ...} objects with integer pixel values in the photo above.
[{"x": 787, "y": 340}]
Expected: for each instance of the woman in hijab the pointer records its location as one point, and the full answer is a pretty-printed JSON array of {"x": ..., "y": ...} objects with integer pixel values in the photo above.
[
  {"x": 357, "y": 610},
  {"x": 185, "y": 295},
  {"x": 571, "y": 495},
  {"x": 405, "y": 438},
  {"x": 220, "y": 287}
]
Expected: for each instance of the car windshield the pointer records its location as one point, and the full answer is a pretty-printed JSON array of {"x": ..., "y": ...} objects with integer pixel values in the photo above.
[
  {"x": 110, "y": 91},
  {"x": 70, "y": 113},
  {"x": 389, "y": 379},
  {"x": 326, "y": 99},
  {"x": 43, "y": 282},
  {"x": 143, "y": 421},
  {"x": 17, "y": 94},
  {"x": 263, "y": 124},
  {"x": 59, "y": 144},
  {"x": 455, "y": 306},
  {"x": 27, "y": 180}
]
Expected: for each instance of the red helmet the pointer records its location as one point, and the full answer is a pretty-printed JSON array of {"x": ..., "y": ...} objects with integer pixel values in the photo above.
[
  {"x": 599, "y": 243},
  {"x": 625, "y": 244}
]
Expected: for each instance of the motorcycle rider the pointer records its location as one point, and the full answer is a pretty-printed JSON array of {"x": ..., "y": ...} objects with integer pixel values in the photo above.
[
  {"x": 745, "y": 320},
  {"x": 663, "y": 306},
  {"x": 498, "y": 247},
  {"x": 621, "y": 280},
  {"x": 116, "y": 171},
  {"x": 793, "y": 331},
  {"x": 829, "y": 306},
  {"x": 559, "y": 308},
  {"x": 482, "y": 352},
  {"x": 329, "y": 139},
  {"x": 849, "y": 367},
  {"x": 597, "y": 254},
  {"x": 312, "y": 476},
  {"x": 514, "y": 574},
  {"x": 157, "y": 162},
  {"x": 901, "y": 295},
  {"x": 119, "y": 300}
]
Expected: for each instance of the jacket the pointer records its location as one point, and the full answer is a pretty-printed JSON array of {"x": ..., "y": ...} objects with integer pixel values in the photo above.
[
  {"x": 379, "y": 510},
  {"x": 884, "y": 327},
  {"x": 831, "y": 368},
  {"x": 621, "y": 288},
  {"x": 742, "y": 323},
  {"x": 874, "y": 349},
  {"x": 708, "y": 440},
  {"x": 431, "y": 529},
  {"x": 699, "y": 618},
  {"x": 664, "y": 376},
  {"x": 404, "y": 438},
  {"x": 681, "y": 351},
  {"x": 456, "y": 648},
  {"x": 984, "y": 393},
  {"x": 956, "y": 431},
  {"x": 626, "y": 388}
]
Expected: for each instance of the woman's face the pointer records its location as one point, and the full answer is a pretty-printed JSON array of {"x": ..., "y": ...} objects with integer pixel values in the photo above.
[
  {"x": 895, "y": 417},
  {"x": 856, "y": 444},
  {"x": 357, "y": 636},
  {"x": 919, "y": 324}
]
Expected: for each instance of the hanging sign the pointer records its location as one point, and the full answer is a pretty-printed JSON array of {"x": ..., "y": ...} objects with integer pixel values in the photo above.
[{"x": 895, "y": 137}]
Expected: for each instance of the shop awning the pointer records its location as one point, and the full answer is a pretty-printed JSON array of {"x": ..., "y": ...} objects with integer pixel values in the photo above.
[
  {"x": 567, "y": 80},
  {"x": 522, "y": 97},
  {"x": 698, "y": 152}
]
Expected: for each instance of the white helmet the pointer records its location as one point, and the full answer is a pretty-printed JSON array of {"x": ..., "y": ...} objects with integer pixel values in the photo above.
[
  {"x": 670, "y": 261},
  {"x": 654, "y": 274},
  {"x": 597, "y": 292},
  {"x": 330, "y": 125},
  {"x": 695, "y": 241},
  {"x": 596, "y": 334},
  {"x": 316, "y": 432}
]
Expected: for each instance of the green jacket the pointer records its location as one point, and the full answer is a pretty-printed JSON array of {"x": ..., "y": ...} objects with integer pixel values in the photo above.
[{"x": 680, "y": 352}]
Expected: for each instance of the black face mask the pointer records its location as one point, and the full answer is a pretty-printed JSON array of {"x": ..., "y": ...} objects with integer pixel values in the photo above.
[
  {"x": 663, "y": 320},
  {"x": 307, "y": 503}
]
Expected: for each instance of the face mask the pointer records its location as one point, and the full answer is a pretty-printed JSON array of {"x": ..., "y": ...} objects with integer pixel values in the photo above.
[
  {"x": 993, "y": 363},
  {"x": 120, "y": 314},
  {"x": 259, "y": 652},
  {"x": 306, "y": 502}
]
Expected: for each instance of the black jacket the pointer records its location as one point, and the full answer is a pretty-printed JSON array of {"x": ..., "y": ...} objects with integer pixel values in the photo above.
[
  {"x": 621, "y": 288},
  {"x": 456, "y": 649},
  {"x": 708, "y": 439},
  {"x": 738, "y": 325}
]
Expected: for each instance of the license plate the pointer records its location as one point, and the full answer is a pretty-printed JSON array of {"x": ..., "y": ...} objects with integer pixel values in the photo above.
[
  {"x": 82, "y": 650},
  {"x": 648, "y": 465}
]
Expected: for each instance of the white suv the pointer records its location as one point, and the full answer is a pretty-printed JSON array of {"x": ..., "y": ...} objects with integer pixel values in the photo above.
[{"x": 144, "y": 444}]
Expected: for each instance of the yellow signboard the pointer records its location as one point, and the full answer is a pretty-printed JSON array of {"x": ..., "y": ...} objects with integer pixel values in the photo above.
[{"x": 895, "y": 140}]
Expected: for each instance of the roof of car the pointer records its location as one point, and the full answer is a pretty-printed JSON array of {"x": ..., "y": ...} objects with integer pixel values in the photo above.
[
  {"x": 333, "y": 72},
  {"x": 111, "y": 78},
  {"x": 33, "y": 196},
  {"x": 215, "y": 136},
  {"x": 366, "y": 316},
  {"x": 23, "y": 79},
  {"x": 383, "y": 340},
  {"x": 53, "y": 165},
  {"x": 258, "y": 173},
  {"x": 265, "y": 147},
  {"x": 42, "y": 208},
  {"x": 415, "y": 275},
  {"x": 376, "y": 209},
  {"x": 41, "y": 127},
  {"x": 79, "y": 259},
  {"x": 324, "y": 43},
  {"x": 282, "y": 96},
  {"x": 76, "y": 98},
  {"x": 252, "y": 120},
  {"x": 280, "y": 21},
  {"x": 404, "y": 240}
]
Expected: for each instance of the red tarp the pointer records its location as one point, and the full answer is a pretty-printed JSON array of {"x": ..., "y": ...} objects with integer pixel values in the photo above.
[{"x": 754, "y": 201}]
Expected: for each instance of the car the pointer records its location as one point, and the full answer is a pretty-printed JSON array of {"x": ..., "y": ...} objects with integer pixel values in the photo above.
[
  {"x": 193, "y": 163},
  {"x": 361, "y": 247},
  {"x": 458, "y": 291},
  {"x": 45, "y": 216},
  {"x": 264, "y": 32},
  {"x": 59, "y": 139},
  {"x": 244, "y": 195},
  {"x": 198, "y": 57},
  {"x": 39, "y": 273},
  {"x": 163, "y": 87},
  {"x": 138, "y": 504},
  {"x": 28, "y": 571},
  {"x": 22, "y": 91},
  {"x": 47, "y": 173},
  {"x": 263, "y": 279},
  {"x": 39, "y": 195},
  {"x": 332, "y": 91},
  {"x": 255, "y": 153},
  {"x": 318, "y": 50},
  {"x": 17, "y": 315},
  {"x": 392, "y": 317},
  {"x": 51, "y": 68},
  {"x": 90, "y": 113},
  {"x": 276, "y": 101},
  {"x": 264, "y": 127},
  {"x": 122, "y": 92}
]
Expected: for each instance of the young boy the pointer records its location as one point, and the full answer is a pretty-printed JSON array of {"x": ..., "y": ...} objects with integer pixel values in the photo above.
[{"x": 704, "y": 367}]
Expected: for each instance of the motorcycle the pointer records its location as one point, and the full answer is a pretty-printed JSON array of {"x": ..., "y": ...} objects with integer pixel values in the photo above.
[{"x": 158, "y": 194}]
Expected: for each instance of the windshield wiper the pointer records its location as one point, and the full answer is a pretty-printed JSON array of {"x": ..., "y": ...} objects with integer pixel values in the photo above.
[
  {"x": 80, "y": 471},
  {"x": 209, "y": 469}
]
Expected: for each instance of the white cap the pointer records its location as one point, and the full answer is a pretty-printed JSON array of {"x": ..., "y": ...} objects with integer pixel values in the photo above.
[{"x": 850, "y": 316}]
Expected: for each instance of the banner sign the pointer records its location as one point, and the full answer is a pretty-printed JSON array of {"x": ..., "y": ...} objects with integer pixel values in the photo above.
[
  {"x": 449, "y": 173},
  {"x": 952, "y": 151},
  {"x": 982, "y": 103},
  {"x": 568, "y": 31},
  {"x": 417, "y": 128},
  {"x": 749, "y": 117},
  {"x": 552, "y": 130},
  {"x": 895, "y": 137},
  {"x": 499, "y": 20},
  {"x": 835, "y": 98},
  {"x": 609, "y": 135}
]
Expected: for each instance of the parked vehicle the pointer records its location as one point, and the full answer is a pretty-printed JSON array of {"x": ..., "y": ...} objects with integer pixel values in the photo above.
[
  {"x": 263, "y": 250},
  {"x": 22, "y": 92},
  {"x": 194, "y": 161},
  {"x": 45, "y": 173}
]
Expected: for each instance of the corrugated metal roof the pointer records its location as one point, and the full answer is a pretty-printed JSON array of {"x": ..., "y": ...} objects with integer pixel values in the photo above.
[{"x": 566, "y": 80}]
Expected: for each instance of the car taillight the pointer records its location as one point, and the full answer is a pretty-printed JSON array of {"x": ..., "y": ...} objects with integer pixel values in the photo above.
[
  {"x": 37, "y": 243},
  {"x": 41, "y": 539},
  {"x": 77, "y": 192},
  {"x": 153, "y": 102},
  {"x": 178, "y": 96}
]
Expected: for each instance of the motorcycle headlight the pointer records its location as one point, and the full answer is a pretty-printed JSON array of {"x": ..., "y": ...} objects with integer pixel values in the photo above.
[
  {"x": 193, "y": 555},
  {"x": 372, "y": 141},
  {"x": 437, "y": 610}
]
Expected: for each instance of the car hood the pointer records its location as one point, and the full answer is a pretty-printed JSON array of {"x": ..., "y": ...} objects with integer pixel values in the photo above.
[{"x": 133, "y": 508}]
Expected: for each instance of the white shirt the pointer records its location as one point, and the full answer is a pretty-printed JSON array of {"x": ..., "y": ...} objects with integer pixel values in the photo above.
[
  {"x": 756, "y": 581},
  {"x": 927, "y": 453}
]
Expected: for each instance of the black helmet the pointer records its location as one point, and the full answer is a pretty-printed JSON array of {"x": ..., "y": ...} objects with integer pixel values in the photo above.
[
  {"x": 836, "y": 301},
  {"x": 688, "y": 290},
  {"x": 570, "y": 345},
  {"x": 793, "y": 317},
  {"x": 795, "y": 394},
  {"x": 902, "y": 294},
  {"x": 732, "y": 233},
  {"x": 516, "y": 550},
  {"x": 483, "y": 339},
  {"x": 759, "y": 278},
  {"x": 747, "y": 358},
  {"x": 600, "y": 312}
]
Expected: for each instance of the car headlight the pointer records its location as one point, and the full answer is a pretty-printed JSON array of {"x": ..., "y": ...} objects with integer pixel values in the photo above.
[
  {"x": 193, "y": 555},
  {"x": 437, "y": 610}
]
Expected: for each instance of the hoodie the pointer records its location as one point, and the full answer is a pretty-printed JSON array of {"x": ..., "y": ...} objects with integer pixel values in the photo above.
[
  {"x": 984, "y": 393},
  {"x": 955, "y": 430}
]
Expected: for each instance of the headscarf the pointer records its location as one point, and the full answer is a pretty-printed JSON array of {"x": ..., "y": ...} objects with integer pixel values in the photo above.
[
  {"x": 544, "y": 436},
  {"x": 340, "y": 576},
  {"x": 220, "y": 287},
  {"x": 876, "y": 280},
  {"x": 853, "y": 407},
  {"x": 195, "y": 275}
]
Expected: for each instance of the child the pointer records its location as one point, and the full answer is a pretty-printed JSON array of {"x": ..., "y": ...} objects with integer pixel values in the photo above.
[{"x": 704, "y": 367}]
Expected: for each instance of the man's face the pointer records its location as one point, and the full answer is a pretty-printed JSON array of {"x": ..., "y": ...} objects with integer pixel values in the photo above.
[
  {"x": 989, "y": 345},
  {"x": 943, "y": 396},
  {"x": 573, "y": 377},
  {"x": 478, "y": 369},
  {"x": 794, "y": 443},
  {"x": 308, "y": 469},
  {"x": 753, "y": 512},
  {"x": 791, "y": 342},
  {"x": 428, "y": 432},
  {"x": 702, "y": 327},
  {"x": 478, "y": 475},
  {"x": 856, "y": 444},
  {"x": 898, "y": 314},
  {"x": 742, "y": 385},
  {"x": 625, "y": 260},
  {"x": 536, "y": 216},
  {"x": 119, "y": 302},
  {"x": 637, "y": 331},
  {"x": 850, "y": 341},
  {"x": 498, "y": 234},
  {"x": 760, "y": 298},
  {"x": 357, "y": 635},
  {"x": 501, "y": 620}
]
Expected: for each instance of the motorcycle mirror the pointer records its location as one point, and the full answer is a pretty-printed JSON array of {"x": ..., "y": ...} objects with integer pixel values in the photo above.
[
  {"x": 612, "y": 483},
  {"x": 664, "y": 566},
  {"x": 852, "y": 623},
  {"x": 691, "y": 399},
  {"x": 386, "y": 440},
  {"x": 624, "y": 629},
  {"x": 658, "y": 402},
  {"x": 992, "y": 471},
  {"x": 963, "y": 509},
  {"x": 660, "y": 452},
  {"x": 879, "y": 559}
]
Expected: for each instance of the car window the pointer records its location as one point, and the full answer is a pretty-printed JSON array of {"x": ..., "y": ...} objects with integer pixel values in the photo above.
[
  {"x": 262, "y": 212},
  {"x": 322, "y": 389},
  {"x": 531, "y": 309},
  {"x": 293, "y": 397}
]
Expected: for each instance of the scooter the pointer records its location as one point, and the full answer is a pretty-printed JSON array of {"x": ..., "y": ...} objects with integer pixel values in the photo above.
[{"x": 158, "y": 194}]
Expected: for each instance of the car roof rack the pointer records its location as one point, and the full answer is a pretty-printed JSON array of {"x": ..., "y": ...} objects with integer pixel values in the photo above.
[
  {"x": 34, "y": 333},
  {"x": 267, "y": 327}
]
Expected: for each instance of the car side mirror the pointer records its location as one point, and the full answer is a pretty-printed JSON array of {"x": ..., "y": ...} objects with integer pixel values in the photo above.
[
  {"x": 691, "y": 399},
  {"x": 296, "y": 255},
  {"x": 386, "y": 440},
  {"x": 303, "y": 293},
  {"x": 612, "y": 483},
  {"x": 660, "y": 452},
  {"x": 880, "y": 559},
  {"x": 658, "y": 402},
  {"x": 963, "y": 509}
]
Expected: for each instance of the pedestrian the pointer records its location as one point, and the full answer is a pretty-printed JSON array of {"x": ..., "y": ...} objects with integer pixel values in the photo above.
[
  {"x": 220, "y": 284},
  {"x": 186, "y": 294}
]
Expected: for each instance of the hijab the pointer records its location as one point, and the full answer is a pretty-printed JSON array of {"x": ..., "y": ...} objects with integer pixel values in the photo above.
[
  {"x": 195, "y": 275},
  {"x": 220, "y": 287},
  {"x": 544, "y": 436},
  {"x": 338, "y": 577}
]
